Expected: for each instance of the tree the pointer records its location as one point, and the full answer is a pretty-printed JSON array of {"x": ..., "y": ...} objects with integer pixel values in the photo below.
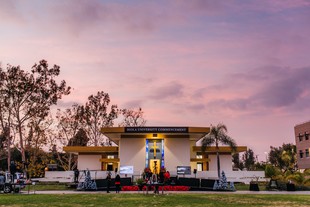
[
  {"x": 284, "y": 157},
  {"x": 80, "y": 139},
  {"x": 68, "y": 123},
  {"x": 132, "y": 118},
  {"x": 271, "y": 171},
  {"x": 248, "y": 159},
  {"x": 95, "y": 115},
  {"x": 217, "y": 136},
  {"x": 238, "y": 164},
  {"x": 28, "y": 95}
]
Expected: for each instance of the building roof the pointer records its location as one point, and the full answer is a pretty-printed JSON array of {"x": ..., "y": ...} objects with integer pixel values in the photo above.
[
  {"x": 91, "y": 149},
  {"x": 116, "y": 133},
  {"x": 221, "y": 149}
]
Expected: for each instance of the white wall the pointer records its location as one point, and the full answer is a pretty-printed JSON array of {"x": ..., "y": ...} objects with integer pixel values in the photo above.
[
  {"x": 235, "y": 176},
  {"x": 91, "y": 162},
  {"x": 132, "y": 153},
  {"x": 177, "y": 153},
  {"x": 225, "y": 163}
]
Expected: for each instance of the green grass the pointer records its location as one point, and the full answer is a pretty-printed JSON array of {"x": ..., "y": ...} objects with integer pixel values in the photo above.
[
  {"x": 140, "y": 200},
  {"x": 246, "y": 187},
  {"x": 45, "y": 186}
]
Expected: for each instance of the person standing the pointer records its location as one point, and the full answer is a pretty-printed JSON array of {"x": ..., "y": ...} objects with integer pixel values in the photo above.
[
  {"x": 108, "y": 182},
  {"x": 167, "y": 177},
  {"x": 76, "y": 175},
  {"x": 12, "y": 170},
  {"x": 117, "y": 183}
]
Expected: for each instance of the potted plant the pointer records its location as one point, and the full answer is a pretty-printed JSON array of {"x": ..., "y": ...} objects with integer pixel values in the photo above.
[
  {"x": 254, "y": 184},
  {"x": 140, "y": 182}
]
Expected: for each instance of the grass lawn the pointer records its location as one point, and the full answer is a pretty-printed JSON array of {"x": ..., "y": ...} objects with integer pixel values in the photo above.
[
  {"x": 140, "y": 200},
  {"x": 50, "y": 186}
]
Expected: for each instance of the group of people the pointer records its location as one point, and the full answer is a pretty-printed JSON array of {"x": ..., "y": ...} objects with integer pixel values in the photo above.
[
  {"x": 162, "y": 178},
  {"x": 117, "y": 182}
]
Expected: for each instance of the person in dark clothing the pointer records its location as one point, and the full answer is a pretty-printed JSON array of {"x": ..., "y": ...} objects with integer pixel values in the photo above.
[
  {"x": 108, "y": 182},
  {"x": 161, "y": 176},
  {"x": 117, "y": 183},
  {"x": 76, "y": 175},
  {"x": 12, "y": 170}
]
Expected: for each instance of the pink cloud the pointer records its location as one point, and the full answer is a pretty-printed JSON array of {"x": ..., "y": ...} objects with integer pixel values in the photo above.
[{"x": 9, "y": 12}]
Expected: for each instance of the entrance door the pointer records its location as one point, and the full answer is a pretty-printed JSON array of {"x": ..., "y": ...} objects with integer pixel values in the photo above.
[
  {"x": 155, "y": 156},
  {"x": 155, "y": 165}
]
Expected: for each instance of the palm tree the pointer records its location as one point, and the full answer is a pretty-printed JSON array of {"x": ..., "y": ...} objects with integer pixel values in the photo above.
[{"x": 217, "y": 135}]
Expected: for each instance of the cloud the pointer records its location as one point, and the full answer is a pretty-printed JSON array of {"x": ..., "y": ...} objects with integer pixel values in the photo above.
[
  {"x": 9, "y": 12},
  {"x": 134, "y": 104},
  {"x": 285, "y": 91},
  {"x": 78, "y": 16},
  {"x": 208, "y": 7},
  {"x": 171, "y": 90},
  {"x": 271, "y": 88}
]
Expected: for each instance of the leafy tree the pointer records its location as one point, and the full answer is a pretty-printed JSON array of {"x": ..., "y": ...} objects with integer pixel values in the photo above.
[
  {"x": 217, "y": 136},
  {"x": 68, "y": 123},
  {"x": 284, "y": 157},
  {"x": 80, "y": 139},
  {"x": 249, "y": 159},
  {"x": 95, "y": 115},
  {"x": 132, "y": 118},
  {"x": 238, "y": 164},
  {"x": 300, "y": 178},
  {"x": 40, "y": 132},
  {"x": 37, "y": 160},
  {"x": 28, "y": 96},
  {"x": 271, "y": 171}
]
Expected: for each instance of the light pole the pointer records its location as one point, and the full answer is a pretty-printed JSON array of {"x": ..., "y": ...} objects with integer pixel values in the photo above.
[{"x": 266, "y": 154}]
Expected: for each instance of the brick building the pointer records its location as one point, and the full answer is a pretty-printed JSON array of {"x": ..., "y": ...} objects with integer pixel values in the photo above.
[{"x": 302, "y": 139}]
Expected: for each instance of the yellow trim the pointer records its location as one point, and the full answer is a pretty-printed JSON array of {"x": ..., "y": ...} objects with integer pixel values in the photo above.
[
  {"x": 200, "y": 160},
  {"x": 221, "y": 149},
  {"x": 112, "y": 130},
  {"x": 90, "y": 149},
  {"x": 109, "y": 160},
  {"x": 198, "y": 129}
]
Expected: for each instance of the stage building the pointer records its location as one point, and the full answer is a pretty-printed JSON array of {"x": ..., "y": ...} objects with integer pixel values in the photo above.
[{"x": 138, "y": 148}]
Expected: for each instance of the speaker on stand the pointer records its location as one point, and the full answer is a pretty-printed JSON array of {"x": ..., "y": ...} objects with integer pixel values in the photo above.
[{"x": 195, "y": 172}]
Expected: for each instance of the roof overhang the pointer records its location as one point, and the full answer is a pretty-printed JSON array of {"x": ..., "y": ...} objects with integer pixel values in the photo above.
[
  {"x": 221, "y": 149},
  {"x": 89, "y": 149},
  {"x": 116, "y": 133}
]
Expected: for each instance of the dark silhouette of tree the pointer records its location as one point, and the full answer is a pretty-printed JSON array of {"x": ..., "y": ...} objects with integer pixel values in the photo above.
[
  {"x": 132, "y": 118},
  {"x": 248, "y": 159},
  {"x": 80, "y": 139},
  {"x": 238, "y": 164},
  {"x": 96, "y": 114},
  {"x": 217, "y": 136},
  {"x": 68, "y": 123},
  {"x": 28, "y": 96}
]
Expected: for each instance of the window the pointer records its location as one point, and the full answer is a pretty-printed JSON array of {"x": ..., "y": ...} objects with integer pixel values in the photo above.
[
  {"x": 300, "y": 137},
  {"x": 301, "y": 154},
  {"x": 306, "y": 136},
  {"x": 110, "y": 156},
  {"x": 199, "y": 166},
  {"x": 307, "y": 152}
]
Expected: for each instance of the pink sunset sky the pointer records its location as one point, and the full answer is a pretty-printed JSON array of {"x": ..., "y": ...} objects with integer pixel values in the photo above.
[{"x": 244, "y": 63}]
